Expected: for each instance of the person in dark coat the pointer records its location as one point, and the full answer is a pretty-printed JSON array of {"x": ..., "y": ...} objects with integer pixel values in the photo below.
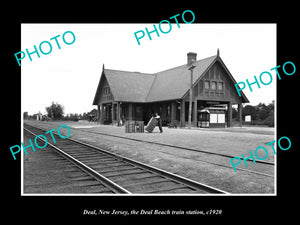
[{"x": 159, "y": 122}]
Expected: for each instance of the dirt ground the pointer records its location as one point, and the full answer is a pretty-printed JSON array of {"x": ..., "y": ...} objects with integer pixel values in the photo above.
[{"x": 194, "y": 165}]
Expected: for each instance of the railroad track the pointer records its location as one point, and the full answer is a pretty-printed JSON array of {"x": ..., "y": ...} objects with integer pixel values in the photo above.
[
  {"x": 262, "y": 162},
  {"x": 121, "y": 174},
  {"x": 179, "y": 147},
  {"x": 71, "y": 178}
]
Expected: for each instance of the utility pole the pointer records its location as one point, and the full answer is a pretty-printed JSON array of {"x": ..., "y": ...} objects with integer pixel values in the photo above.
[{"x": 191, "y": 68}]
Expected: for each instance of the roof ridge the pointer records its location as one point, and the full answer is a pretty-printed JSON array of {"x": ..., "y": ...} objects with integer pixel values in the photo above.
[
  {"x": 186, "y": 64},
  {"x": 131, "y": 71},
  {"x": 151, "y": 87},
  {"x": 159, "y": 71}
]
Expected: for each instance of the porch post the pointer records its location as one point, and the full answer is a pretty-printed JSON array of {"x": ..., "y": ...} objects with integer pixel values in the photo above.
[
  {"x": 173, "y": 111},
  {"x": 98, "y": 114},
  {"x": 113, "y": 112},
  {"x": 240, "y": 109},
  {"x": 182, "y": 113},
  {"x": 102, "y": 114},
  {"x": 195, "y": 114},
  {"x": 130, "y": 111},
  {"x": 118, "y": 113},
  {"x": 229, "y": 122}
]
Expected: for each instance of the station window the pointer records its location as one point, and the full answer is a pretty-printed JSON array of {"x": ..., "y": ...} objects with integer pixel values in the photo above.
[
  {"x": 213, "y": 85},
  {"x": 206, "y": 84},
  {"x": 106, "y": 91},
  {"x": 220, "y": 86}
]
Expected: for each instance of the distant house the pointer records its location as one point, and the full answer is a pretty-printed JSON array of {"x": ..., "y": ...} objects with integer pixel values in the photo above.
[{"x": 123, "y": 95}]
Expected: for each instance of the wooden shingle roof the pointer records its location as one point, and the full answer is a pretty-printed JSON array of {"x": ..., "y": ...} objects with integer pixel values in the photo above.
[
  {"x": 129, "y": 86},
  {"x": 170, "y": 84},
  {"x": 175, "y": 82}
]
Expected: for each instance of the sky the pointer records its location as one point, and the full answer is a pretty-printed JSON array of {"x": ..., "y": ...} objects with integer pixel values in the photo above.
[{"x": 70, "y": 75}]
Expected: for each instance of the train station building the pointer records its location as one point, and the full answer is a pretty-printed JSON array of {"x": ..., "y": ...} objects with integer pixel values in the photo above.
[{"x": 124, "y": 95}]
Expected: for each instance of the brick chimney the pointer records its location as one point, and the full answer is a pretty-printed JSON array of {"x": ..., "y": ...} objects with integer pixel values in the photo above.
[{"x": 191, "y": 57}]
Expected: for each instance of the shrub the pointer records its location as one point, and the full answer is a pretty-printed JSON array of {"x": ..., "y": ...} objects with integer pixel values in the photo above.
[{"x": 269, "y": 121}]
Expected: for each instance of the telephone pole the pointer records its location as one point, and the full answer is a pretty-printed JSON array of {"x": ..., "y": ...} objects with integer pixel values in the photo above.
[{"x": 191, "y": 68}]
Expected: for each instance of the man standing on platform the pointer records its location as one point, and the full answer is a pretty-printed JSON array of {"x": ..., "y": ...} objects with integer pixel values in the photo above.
[{"x": 159, "y": 122}]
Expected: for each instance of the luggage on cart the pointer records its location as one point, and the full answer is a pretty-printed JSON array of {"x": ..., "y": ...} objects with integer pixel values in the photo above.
[
  {"x": 151, "y": 125},
  {"x": 139, "y": 126},
  {"x": 129, "y": 126}
]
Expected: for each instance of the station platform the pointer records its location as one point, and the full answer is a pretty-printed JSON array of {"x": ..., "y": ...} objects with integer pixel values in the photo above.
[{"x": 192, "y": 164}]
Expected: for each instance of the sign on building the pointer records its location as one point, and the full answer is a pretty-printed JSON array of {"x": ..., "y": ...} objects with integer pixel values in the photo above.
[{"x": 248, "y": 118}]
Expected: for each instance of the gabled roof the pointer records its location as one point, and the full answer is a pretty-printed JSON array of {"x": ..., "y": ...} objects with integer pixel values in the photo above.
[
  {"x": 143, "y": 87},
  {"x": 129, "y": 86},
  {"x": 179, "y": 79}
]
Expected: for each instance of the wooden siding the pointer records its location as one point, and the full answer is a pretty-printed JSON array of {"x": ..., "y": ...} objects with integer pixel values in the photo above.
[
  {"x": 215, "y": 85},
  {"x": 105, "y": 92}
]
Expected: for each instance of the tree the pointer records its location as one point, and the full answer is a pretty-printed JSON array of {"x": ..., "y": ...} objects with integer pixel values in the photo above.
[
  {"x": 262, "y": 111},
  {"x": 249, "y": 110},
  {"x": 271, "y": 106},
  {"x": 25, "y": 115},
  {"x": 234, "y": 113},
  {"x": 55, "y": 111},
  {"x": 92, "y": 115},
  {"x": 270, "y": 119}
]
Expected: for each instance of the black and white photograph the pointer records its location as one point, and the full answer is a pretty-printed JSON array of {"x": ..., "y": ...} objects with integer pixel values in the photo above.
[
  {"x": 130, "y": 113},
  {"x": 158, "y": 117}
]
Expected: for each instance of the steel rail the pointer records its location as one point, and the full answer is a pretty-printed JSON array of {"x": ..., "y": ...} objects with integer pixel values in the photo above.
[
  {"x": 164, "y": 173},
  {"x": 195, "y": 150},
  {"x": 173, "y": 177},
  {"x": 106, "y": 182},
  {"x": 179, "y": 147}
]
